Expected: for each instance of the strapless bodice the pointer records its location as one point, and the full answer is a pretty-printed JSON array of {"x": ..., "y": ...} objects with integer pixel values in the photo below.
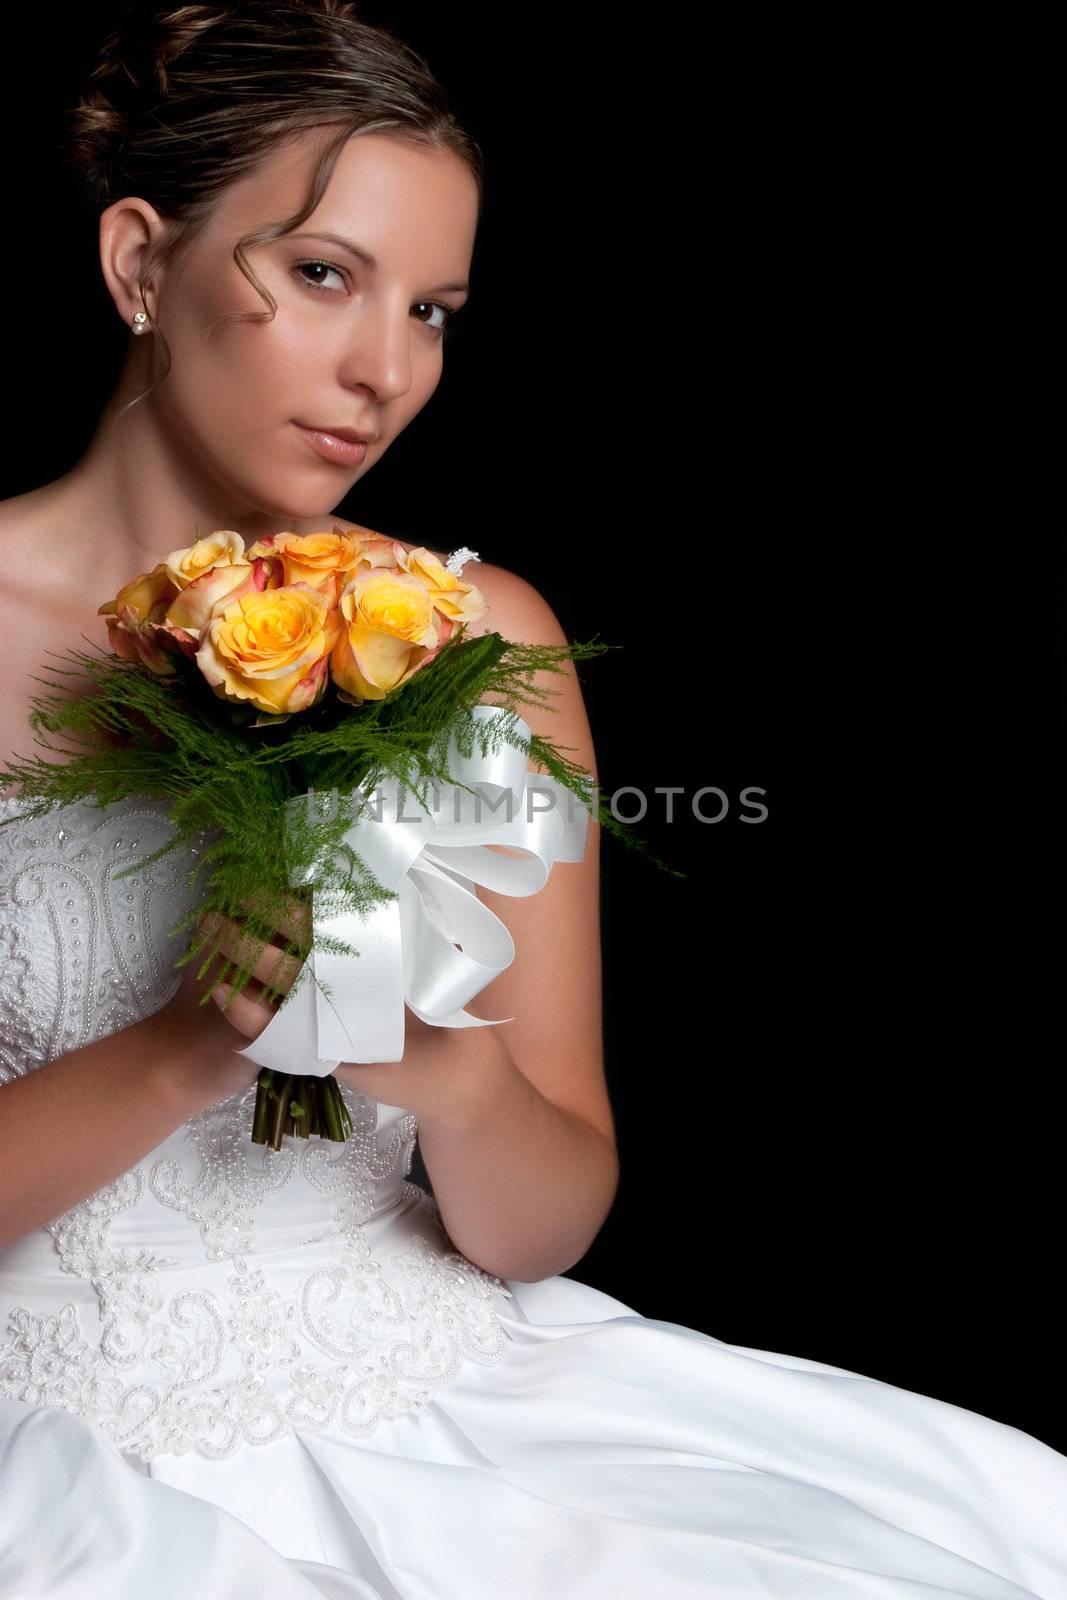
[
  {"x": 220, "y": 1291},
  {"x": 84, "y": 951}
]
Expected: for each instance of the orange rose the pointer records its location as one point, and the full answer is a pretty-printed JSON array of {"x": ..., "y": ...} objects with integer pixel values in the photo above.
[{"x": 324, "y": 561}]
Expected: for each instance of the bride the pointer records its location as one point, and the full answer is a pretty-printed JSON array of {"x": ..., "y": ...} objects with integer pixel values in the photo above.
[{"x": 228, "y": 1371}]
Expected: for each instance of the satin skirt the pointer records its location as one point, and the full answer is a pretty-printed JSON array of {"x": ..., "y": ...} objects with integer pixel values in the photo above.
[{"x": 609, "y": 1456}]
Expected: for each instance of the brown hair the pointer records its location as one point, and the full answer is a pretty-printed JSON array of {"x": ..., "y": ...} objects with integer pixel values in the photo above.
[{"x": 184, "y": 100}]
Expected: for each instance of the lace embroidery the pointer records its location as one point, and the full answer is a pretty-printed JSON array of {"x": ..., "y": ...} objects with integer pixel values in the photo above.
[
  {"x": 83, "y": 952},
  {"x": 362, "y": 1338},
  {"x": 22, "y": 1044},
  {"x": 392, "y": 1332}
]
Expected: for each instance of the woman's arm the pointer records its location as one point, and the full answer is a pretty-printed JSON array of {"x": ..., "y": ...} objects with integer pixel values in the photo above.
[
  {"x": 515, "y": 1123},
  {"x": 76, "y": 1123},
  {"x": 522, "y": 1185}
]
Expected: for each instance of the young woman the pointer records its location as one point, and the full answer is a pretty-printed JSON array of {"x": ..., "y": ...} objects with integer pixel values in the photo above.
[{"x": 227, "y": 1371}]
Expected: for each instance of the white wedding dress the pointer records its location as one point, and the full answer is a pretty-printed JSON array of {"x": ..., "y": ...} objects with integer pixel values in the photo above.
[{"x": 235, "y": 1374}]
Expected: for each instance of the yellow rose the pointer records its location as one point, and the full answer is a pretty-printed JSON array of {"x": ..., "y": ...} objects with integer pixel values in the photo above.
[
  {"x": 322, "y": 560},
  {"x": 135, "y": 617},
  {"x": 271, "y": 648},
  {"x": 389, "y": 630},
  {"x": 219, "y": 549},
  {"x": 459, "y": 601},
  {"x": 189, "y": 614}
]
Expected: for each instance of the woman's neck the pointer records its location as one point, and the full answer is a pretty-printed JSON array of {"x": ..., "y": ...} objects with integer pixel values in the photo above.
[{"x": 135, "y": 495}]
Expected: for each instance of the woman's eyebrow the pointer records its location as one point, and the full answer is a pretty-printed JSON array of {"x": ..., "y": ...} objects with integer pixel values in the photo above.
[{"x": 370, "y": 261}]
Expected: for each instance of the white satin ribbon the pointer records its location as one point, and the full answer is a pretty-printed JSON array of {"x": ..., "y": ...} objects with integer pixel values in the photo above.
[{"x": 431, "y": 856}]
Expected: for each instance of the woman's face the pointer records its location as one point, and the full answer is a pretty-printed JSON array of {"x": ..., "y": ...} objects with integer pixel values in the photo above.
[{"x": 352, "y": 345}]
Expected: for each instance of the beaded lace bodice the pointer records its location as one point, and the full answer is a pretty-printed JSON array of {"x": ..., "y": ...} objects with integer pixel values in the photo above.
[{"x": 219, "y": 1292}]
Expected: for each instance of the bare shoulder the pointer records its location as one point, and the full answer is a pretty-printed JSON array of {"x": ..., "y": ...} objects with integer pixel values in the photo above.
[
  {"x": 41, "y": 611},
  {"x": 37, "y": 572},
  {"x": 519, "y": 612},
  {"x": 517, "y": 609},
  {"x": 24, "y": 513},
  {"x": 34, "y": 566}
]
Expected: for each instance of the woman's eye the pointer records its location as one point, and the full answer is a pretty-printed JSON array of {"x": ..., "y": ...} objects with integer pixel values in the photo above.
[
  {"x": 447, "y": 314},
  {"x": 316, "y": 266}
]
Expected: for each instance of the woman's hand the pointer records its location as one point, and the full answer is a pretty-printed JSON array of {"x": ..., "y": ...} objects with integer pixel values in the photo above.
[
  {"x": 441, "y": 1071},
  {"x": 212, "y": 1035},
  {"x": 440, "y": 1067},
  {"x": 273, "y": 969}
]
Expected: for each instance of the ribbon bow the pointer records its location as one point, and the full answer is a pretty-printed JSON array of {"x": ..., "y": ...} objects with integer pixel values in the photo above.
[{"x": 408, "y": 946}]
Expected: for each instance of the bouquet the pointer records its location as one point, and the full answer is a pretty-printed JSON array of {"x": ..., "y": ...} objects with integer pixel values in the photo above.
[{"x": 276, "y": 694}]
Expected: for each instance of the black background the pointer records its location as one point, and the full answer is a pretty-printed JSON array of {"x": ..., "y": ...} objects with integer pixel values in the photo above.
[{"x": 675, "y": 410}]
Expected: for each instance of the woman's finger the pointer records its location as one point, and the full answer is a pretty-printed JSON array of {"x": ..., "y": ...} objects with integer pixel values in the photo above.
[
  {"x": 293, "y": 923},
  {"x": 276, "y": 969},
  {"x": 248, "y": 1015},
  {"x": 268, "y": 963}
]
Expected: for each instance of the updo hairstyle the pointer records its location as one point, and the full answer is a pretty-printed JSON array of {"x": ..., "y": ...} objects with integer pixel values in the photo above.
[{"x": 185, "y": 100}]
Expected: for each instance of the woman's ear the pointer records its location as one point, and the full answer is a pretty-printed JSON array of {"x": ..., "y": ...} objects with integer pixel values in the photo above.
[{"x": 127, "y": 229}]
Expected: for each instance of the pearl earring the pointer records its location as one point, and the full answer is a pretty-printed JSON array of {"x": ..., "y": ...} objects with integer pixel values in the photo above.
[{"x": 140, "y": 321}]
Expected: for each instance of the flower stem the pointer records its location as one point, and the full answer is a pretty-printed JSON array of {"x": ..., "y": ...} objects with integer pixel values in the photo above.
[
  {"x": 331, "y": 1115},
  {"x": 261, "y": 1115},
  {"x": 280, "y": 1110},
  {"x": 346, "y": 1120},
  {"x": 300, "y": 1106}
]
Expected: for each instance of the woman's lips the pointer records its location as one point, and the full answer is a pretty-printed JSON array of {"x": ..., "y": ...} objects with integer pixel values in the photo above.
[{"x": 345, "y": 452}]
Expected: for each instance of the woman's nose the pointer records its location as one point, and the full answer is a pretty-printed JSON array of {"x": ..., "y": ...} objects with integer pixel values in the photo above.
[{"x": 378, "y": 353}]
